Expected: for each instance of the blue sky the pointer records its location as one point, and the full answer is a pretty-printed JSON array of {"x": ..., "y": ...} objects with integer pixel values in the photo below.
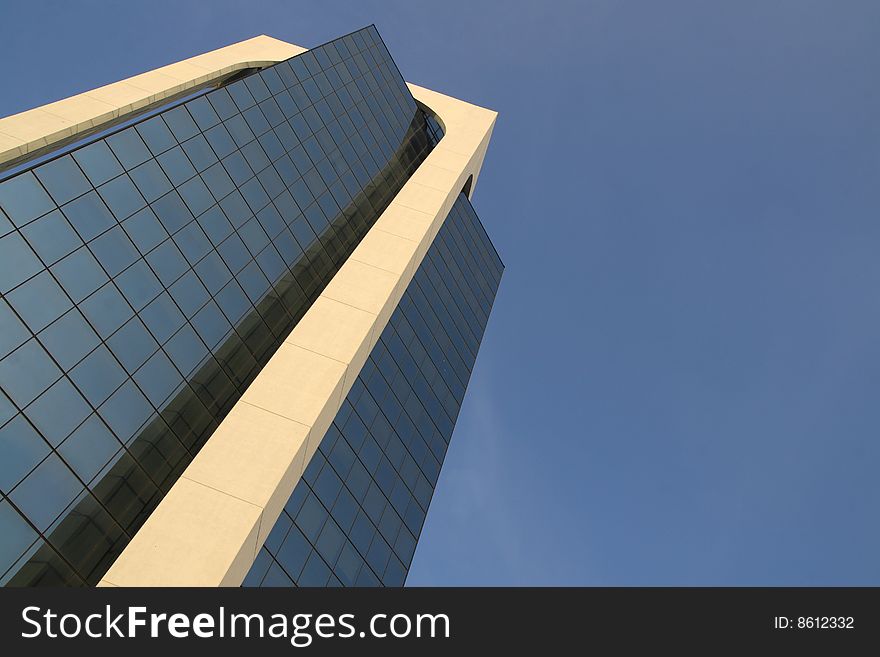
[{"x": 680, "y": 380}]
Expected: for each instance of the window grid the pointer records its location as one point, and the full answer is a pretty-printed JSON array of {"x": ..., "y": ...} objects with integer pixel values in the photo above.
[
  {"x": 355, "y": 516},
  {"x": 192, "y": 243}
]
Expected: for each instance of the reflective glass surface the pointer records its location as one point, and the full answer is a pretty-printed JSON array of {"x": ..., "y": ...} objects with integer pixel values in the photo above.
[
  {"x": 147, "y": 276},
  {"x": 355, "y": 516}
]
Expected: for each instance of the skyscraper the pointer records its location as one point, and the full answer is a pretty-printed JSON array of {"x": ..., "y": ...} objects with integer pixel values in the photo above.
[{"x": 242, "y": 296}]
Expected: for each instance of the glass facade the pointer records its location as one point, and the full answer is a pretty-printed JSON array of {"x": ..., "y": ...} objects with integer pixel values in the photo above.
[
  {"x": 356, "y": 515},
  {"x": 148, "y": 275}
]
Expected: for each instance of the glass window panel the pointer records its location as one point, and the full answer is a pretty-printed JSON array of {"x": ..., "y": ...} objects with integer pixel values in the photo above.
[
  {"x": 186, "y": 350},
  {"x": 58, "y": 411},
  {"x": 158, "y": 378},
  {"x": 181, "y": 123},
  {"x": 69, "y": 339},
  {"x": 189, "y": 293},
  {"x": 294, "y": 504},
  {"x": 257, "y": 87},
  {"x": 271, "y": 181},
  {"x": 213, "y": 272},
  {"x": 121, "y": 197},
  {"x": 211, "y": 325},
  {"x": 156, "y": 134},
  {"x": 272, "y": 80},
  {"x": 150, "y": 180},
  {"x": 362, "y": 532},
  {"x": 39, "y": 301},
  {"x": 27, "y": 372},
  {"x": 88, "y": 215},
  {"x": 288, "y": 248},
  {"x": 395, "y": 573},
  {"x": 176, "y": 165},
  {"x": 258, "y": 570},
  {"x": 342, "y": 457},
  {"x": 311, "y": 517},
  {"x": 199, "y": 153},
  {"x": 222, "y": 103},
  {"x": 87, "y": 538},
  {"x": 301, "y": 159},
  {"x": 315, "y": 572},
  {"x": 236, "y": 209},
  {"x": 196, "y": 195},
  {"x": 167, "y": 261},
  {"x": 218, "y": 181},
  {"x": 255, "y": 156},
  {"x": 98, "y": 162},
  {"x": 98, "y": 375},
  {"x": 256, "y": 120},
  {"x": 162, "y": 317},
  {"x": 41, "y": 566},
  {"x": 106, "y": 310},
  {"x": 80, "y": 274},
  {"x": 272, "y": 112},
  {"x": 298, "y": 65},
  {"x": 172, "y": 212},
  {"x": 240, "y": 95},
  {"x": 278, "y": 534},
  {"x": 138, "y": 284},
  {"x": 125, "y": 503},
  {"x": 312, "y": 90},
  {"x": 21, "y": 448},
  {"x": 17, "y": 261},
  {"x": 129, "y": 148},
  {"x": 18, "y": 535},
  {"x": 24, "y": 199},
  {"x": 330, "y": 542},
  {"x": 46, "y": 492},
  {"x": 316, "y": 218},
  {"x": 89, "y": 448},
  {"x": 300, "y": 126},
  {"x": 253, "y": 236},
  {"x": 203, "y": 113},
  {"x": 126, "y": 411},
  {"x": 348, "y": 565},
  {"x": 275, "y": 576},
  {"x": 12, "y": 331},
  {"x": 254, "y": 282},
  {"x": 220, "y": 140},
  {"x": 327, "y": 486},
  {"x": 405, "y": 546},
  {"x": 313, "y": 469},
  {"x": 234, "y": 302},
  {"x": 271, "y": 264},
  {"x": 51, "y": 237},
  {"x": 378, "y": 554},
  {"x": 389, "y": 525},
  {"x": 114, "y": 250},
  {"x": 286, "y": 170},
  {"x": 237, "y": 167},
  {"x": 215, "y": 225},
  {"x": 234, "y": 253},
  {"x": 254, "y": 194},
  {"x": 5, "y": 225},
  {"x": 63, "y": 179},
  {"x": 286, "y": 73},
  {"x": 145, "y": 230},
  {"x": 239, "y": 129},
  {"x": 132, "y": 344},
  {"x": 346, "y": 509}
]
